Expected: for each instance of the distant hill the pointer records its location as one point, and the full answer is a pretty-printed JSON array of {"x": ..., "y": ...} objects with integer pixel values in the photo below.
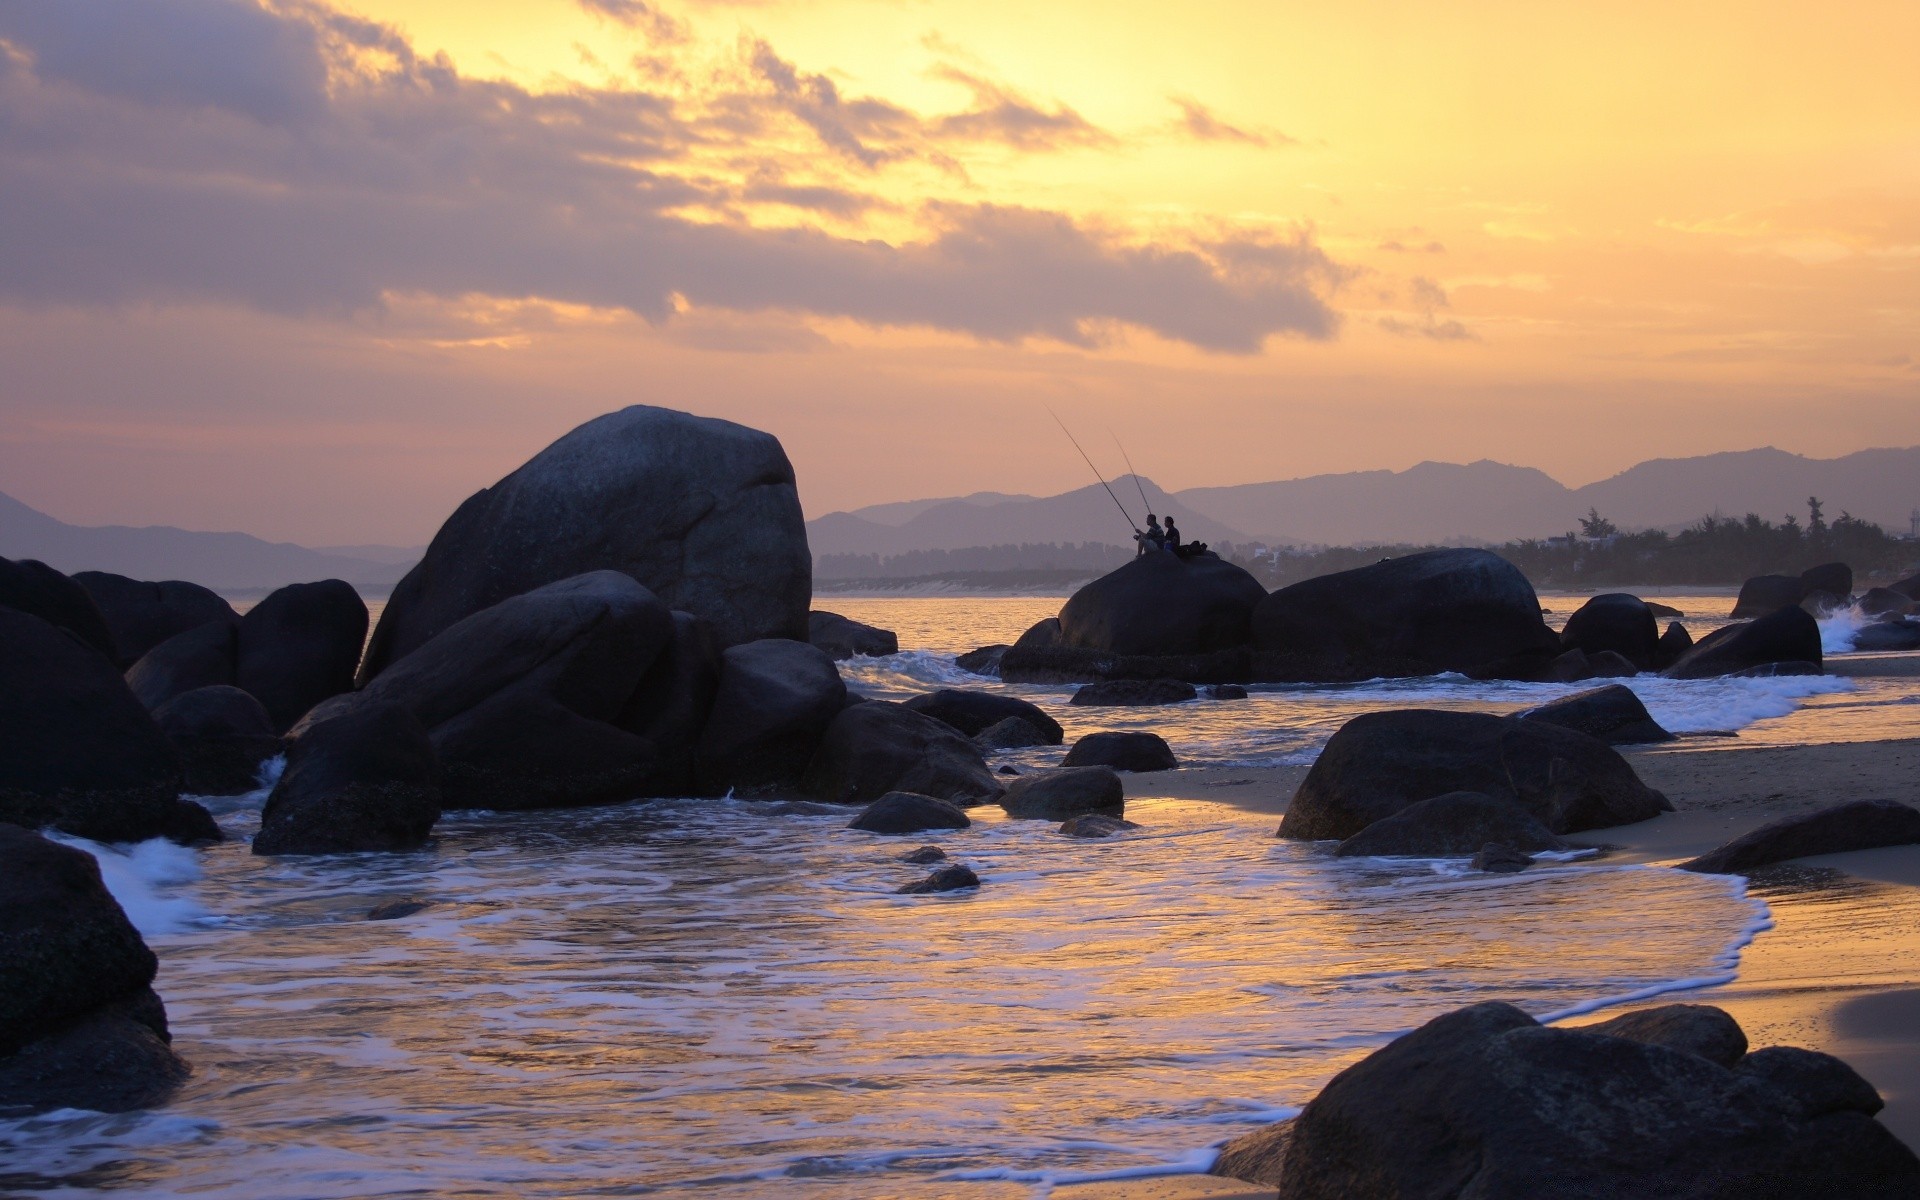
[
  {"x": 1882, "y": 486},
  {"x": 225, "y": 562}
]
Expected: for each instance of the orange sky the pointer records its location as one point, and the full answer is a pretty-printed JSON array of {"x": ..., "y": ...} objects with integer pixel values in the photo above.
[{"x": 318, "y": 274}]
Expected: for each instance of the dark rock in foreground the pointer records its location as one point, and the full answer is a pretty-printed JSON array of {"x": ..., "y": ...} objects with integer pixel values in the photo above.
[
  {"x": 953, "y": 877},
  {"x": 1614, "y": 714},
  {"x": 1696, "y": 1028},
  {"x": 1380, "y": 763},
  {"x": 701, "y": 512},
  {"x": 222, "y": 735},
  {"x": 200, "y": 657},
  {"x": 1067, "y": 792},
  {"x": 34, "y": 588},
  {"x": 1786, "y": 635},
  {"x": 984, "y": 661},
  {"x": 1674, "y": 644},
  {"x": 1226, "y": 691},
  {"x": 906, "y": 812},
  {"x": 879, "y": 747},
  {"x": 1855, "y": 825},
  {"x": 1888, "y": 636},
  {"x": 1010, "y": 733},
  {"x": 1114, "y": 693},
  {"x": 1123, "y": 751},
  {"x": 842, "y": 637},
  {"x": 300, "y": 646},
  {"x": 1162, "y": 604},
  {"x": 1452, "y": 825},
  {"x": 775, "y": 700},
  {"x": 1485, "y": 1102},
  {"x": 364, "y": 779},
  {"x": 1618, "y": 622},
  {"x": 1096, "y": 825},
  {"x": 80, "y": 1025},
  {"x": 973, "y": 712},
  {"x": 140, "y": 615},
  {"x": 1886, "y": 602}
]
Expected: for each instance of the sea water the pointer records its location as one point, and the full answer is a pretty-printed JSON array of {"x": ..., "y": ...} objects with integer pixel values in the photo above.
[{"x": 694, "y": 996}]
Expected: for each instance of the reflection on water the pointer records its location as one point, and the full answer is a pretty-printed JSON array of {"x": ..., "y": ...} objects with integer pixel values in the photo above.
[{"x": 691, "y": 994}]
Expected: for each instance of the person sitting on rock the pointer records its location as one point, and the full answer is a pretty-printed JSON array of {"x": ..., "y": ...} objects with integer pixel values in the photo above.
[
  {"x": 1172, "y": 536},
  {"x": 1152, "y": 539}
]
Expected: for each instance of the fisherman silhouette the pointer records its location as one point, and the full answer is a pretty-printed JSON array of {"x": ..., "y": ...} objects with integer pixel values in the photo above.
[
  {"x": 1172, "y": 536},
  {"x": 1151, "y": 539}
]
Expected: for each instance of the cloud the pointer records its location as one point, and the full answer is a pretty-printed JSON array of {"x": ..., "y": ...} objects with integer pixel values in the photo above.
[
  {"x": 1199, "y": 123},
  {"x": 1002, "y": 115},
  {"x": 381, "y": 174},
  {"x": 658, "y": 24},
  {"x": 1429, "y": 300}
]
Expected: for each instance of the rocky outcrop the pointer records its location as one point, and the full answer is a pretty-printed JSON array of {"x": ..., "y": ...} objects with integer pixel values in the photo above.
[
  {"x": 361, "y": 779},
  {"x": 1159, "y": 604},
  {"x": 77, "y": 751},
  {"x": 879, "y": 747},
  {"x": 953, "y": 877},
  {"x": 1617, "y": 622},
  {"x": 842, "y": 638},
  {"x": 300, "y": 646},
  {"x": 1440, "y": 610},
  {"x": 1486, "y": 1102},
  {"x": 200, "y": 657},
  {"x": 140, "y": 615},
  {"x": 1768, "y": 593},
  {"x": 1116, "y": 693},
  {"x": 1123, "y": 751},
  {"x": 1854, "y": 825},
  {"x": 34, "y": 588},
  {"x": 1614, "y": 714},
  {"x": 1453, "y": 825},
  {"x": 1786, "y": 635},
  {"x": 703, "y": 513},
  {"x": 1380, "y": 763},
  {"x": 1067, "y": 792},
  {"x": 907, "y": 812},
  {"x": 775, "y": 701},
  {"x": 974, "y": 712},
  {"x": 80, "y": 1025},
  {"x": 222, "y": 735}
]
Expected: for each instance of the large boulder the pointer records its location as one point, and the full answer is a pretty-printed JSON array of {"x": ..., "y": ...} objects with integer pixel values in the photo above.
[
  {"x": 140, "y": 615},
  {"x": 1123, "y": 751},
  {"x": 1885, "y": 602},
  {"x": 879, "y": 747},
  {"x": 985, "y": 660},
  {"x": 300, "y": 646},
  {"x": 80, "y": 1026},
  {"x": 1381, "y": 762},
  {"x": 1613, "y": 713},
  {"x": 30, "y": 586},
  {"x": 1786, "y": 635},
  {"x": 1763, "y": 594},
  {"x": 1696, "y": 1028},
  {"x": 843, "y": 637},
  {"x": 974, "y": 712},
  {"x": 523, "y": 701},
  {"x": 1908, "y": 587},
  {"x": 1618, "y": 622},
  {"x": 669, "y": 707},
  {"x": 1854, "y": 825},
  {"x": 362, "y": 778},
  {"x": 1674, "y": 644},
  {"x": 1045, "y": 634},
  {"x": 1453, "y": 825},
  {"x": 1486, "y": 1102},
  {"x": 77, "y": 750},
  {"x": 704, "y": 513},
  {"x": 1068, "y": 792},
  {"x": 1883, "y": 636},
  {"x": 1834, "y": 578},
  {"x": 1440, "y": 610},
  {"x": 775, "y": 700},
  {"x": 1159, "y": 604},
  {"x": 201, "y": 657},
  {"x": 222, "y": 735},
  {"x": 908, "y": 812}
]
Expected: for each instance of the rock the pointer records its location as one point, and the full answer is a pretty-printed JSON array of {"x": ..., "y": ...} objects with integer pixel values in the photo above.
[
  {"x": 923, "y": 855},
  {"x": 1878, "y": 602},
  {"x": 1440, "y": 610},
  {"x": 1010, "y": 733},
  {"x": 77, "y": 750},
  {"x": 1888, "y": 636},
  {"x": 879, "y": 747},
  {"x": 775, "y": 700},
  {"x": 1608, "y": 665},
  {"x": 523, "y": 701},
  {"x": 1696, "y": 1028},
  {"x": 1484, "y": 1102},
  {"x": 1834, "y": 578},
  {"x": 703, "y": 513},
  {"x": 1500, "y": 859},
  {"x": 140, "y": 615},
  {"x": 1674, "y": 644},
  {"x": 1570, "y": 667},
  {"x": 973, "y": 712},
  {"x": 1381, "y": 762},
  {"x": 1134, "y": 692},
  {"x": 1161, "y": 604},
  {"x": 1908, "y": 587},
  {"x": 1451, "y": 825},
  {"x": 1768, "y": 593},
  {"x": 300, "y": 646},
  {"x": 1824, "y": 604},
  {"x": 1007, "y": 771},
  {"x": 842, "y": 637},
  {"x": 669, "y": 707},
  {"x": 1663, "y": 612},
  {"x": 1123, "y": 752},
  {"x": 1067, "y": 792},
  {"x": 1096, "y": 825},
  {"x": 950, "y": 878},
  {"x": 33, "y": 587},
  {"x": 1226, "y": 691},
  {"x": 984, "y": 661},
  {"x": 1818, "y": 1084},
  {"x": 1613, "y": 713},
  {"x": 394, "y": 910},
  {"x": 222, "y": 735},
  {"x": 1257, "y": 1157},
  {"x": 201, "y": 657},
  {"x": 906, "y": 812},
  {"x": 80, "y": 1026},
  {"x": 364, "y": 779},
  {"x": 1787, "y": 635},
  {"x": 1617, "y": 622},
  {"x": 1044, "y": 634},
  {"x": 1854, "y": 825},
  {"x": 801, "y": 808}
]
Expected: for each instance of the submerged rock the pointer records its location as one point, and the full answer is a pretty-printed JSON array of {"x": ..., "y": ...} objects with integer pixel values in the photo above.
[
  {"x": 1786, "y": 635},
  {"x": 879, "y": 747},
  {"x": 953, "y": 877},
  {"x": 300, "y": 646},
  {"x": 1614, "y": 714},
  {"x": 1855, "y": 825},
  {"x": 1115, "y": 693},
  {"x": 1096, "y": 825},
  {"x": 922, "y": 855},
  {"x": 906, "y": 812},
  {"x": 1451, "y": 825},
  {"x": 842, "y": 637},
  {"x": 140, "y": 615},
  {"x": 362, "y": 779},
  {"x": 1123, "y": 751},
  {"x": 1500, "y": 859},
  {"x": 1067, "y": 792},
  {"x": 394, "y": 910}
]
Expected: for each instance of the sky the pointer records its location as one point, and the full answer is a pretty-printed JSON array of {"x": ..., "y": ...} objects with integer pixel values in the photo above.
[{"x": 318, "y": 272}]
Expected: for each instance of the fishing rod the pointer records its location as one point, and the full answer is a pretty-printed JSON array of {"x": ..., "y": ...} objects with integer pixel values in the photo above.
[
  {"x": 1145, "y": 506},
  {"x": 1094, "y": 469}
]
